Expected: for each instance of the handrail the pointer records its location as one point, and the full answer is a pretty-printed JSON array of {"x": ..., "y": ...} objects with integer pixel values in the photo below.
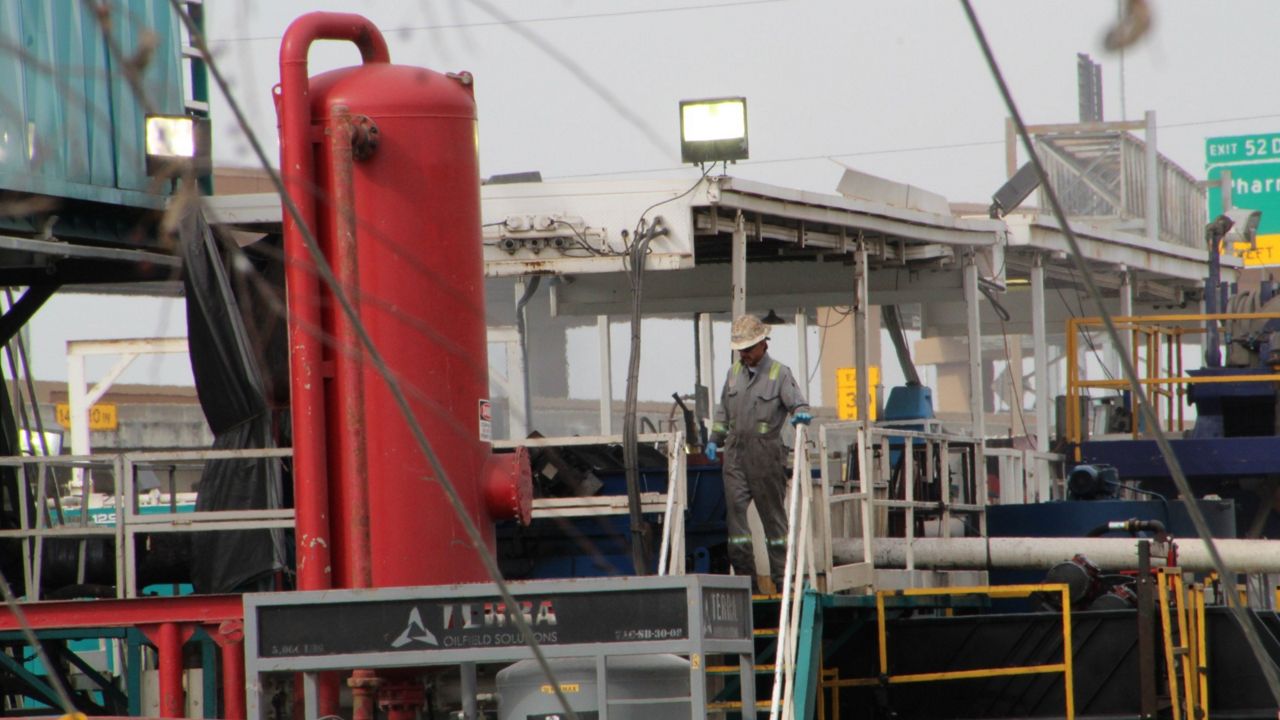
[
  {"x": 855, "y": 497},
  {"x": 1066, "y": 667},
  {"x": 1155, "y": 350},
  {"x": 671, "y": 554},
  {"x": 1187, "y": 656},
  {"x": 799, "y": 534},
  {"x": 129, "y": 522}
]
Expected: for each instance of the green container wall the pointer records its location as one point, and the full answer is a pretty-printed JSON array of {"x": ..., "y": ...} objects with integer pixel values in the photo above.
[{"x": 70, "y": 124}]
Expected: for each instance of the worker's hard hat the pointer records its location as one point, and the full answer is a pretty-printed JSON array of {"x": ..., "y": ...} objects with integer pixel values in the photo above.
[{"x": 747, "y": 330}]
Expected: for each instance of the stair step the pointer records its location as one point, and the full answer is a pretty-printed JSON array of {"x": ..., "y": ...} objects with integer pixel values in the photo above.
[
  {"x": 729, "y": 705},
  {"x": 765, "y": 632},
  {"x": 766, "y": 597},
  {"x": 733, "y": 669}
]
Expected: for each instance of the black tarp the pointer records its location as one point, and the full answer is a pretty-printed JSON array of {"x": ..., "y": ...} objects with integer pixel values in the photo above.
[{"x": 234, "y": 326}]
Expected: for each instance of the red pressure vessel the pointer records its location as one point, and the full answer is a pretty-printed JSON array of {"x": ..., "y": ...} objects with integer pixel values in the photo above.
[{"x": 393, "y": 160}]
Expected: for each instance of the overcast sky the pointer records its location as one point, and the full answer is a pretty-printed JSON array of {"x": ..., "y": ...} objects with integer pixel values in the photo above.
[
  {"x": 893, "y": 87},
  {"x": 585, "y": 88}
]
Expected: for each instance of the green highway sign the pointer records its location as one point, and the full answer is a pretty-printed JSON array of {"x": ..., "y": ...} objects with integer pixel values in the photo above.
[
  {"x": 1241, "y": 149},
  {"x": 1254, "y": 163}
]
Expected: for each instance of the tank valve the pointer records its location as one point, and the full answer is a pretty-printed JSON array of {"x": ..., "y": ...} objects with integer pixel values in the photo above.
[{"x": 364, "y": 137}]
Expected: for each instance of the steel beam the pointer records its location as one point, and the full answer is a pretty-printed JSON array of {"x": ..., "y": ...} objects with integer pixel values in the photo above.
[
  {"x": 202, "y": 609},
  {"x": 606, "y": 375}
]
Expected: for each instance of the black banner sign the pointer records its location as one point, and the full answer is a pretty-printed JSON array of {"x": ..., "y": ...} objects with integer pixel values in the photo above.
[{"x": 481, "y": 622}]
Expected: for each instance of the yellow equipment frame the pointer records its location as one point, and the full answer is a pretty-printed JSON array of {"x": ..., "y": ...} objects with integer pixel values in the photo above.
[
  {"x": 832, "y": 681},
  {"x": 1162, "y": 373}
]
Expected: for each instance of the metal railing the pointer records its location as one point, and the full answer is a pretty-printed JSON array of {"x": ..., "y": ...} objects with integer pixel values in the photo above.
[
  {"x": 1066, "y": 666},
  {"x": 1027, "y": 476},
  {"x": 1155, "y": 347},
  {"x": 671, "y": 504},
  {"x": 880, "y": 470},
  {"x": 1103, "y": 176},
  {"x": 53, "y": 521},
  {"x": 801, "y": 563},
  {"x": 1182, "y": 607}
]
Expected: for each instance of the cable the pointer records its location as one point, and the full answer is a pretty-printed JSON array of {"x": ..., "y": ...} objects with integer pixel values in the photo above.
[
  {"x": 1149, "y": 416},
  {"x": 529, "y": 21},
  {"x": 889, "y": 151},
  {"x": 380, "y": 366},
  {"x": 630, "y": 449},
  {"x": 822, "y": 342},
  {"x": 1088, "y": 337},
  {"x": 660, "y": 203}
]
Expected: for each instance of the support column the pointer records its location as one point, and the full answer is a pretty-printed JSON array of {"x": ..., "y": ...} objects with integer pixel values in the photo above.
[
  {"x": 862, "y": 334},
  {"x": 468, "y": 686},
  {"x": 310, "y": 695},
  {"x": 1017, "y": 417},
  {"x": 739, "y": 299},
  {"x": 606, "y": 375},
  {"x": 977, "y": 386},
  {"x": 522, "y": 390},
  {"x": 1126, "y": 310},
  {"x": 1153, "y": 180},
  {"x": 169, "y": 651},
  {"x": 1041, "y": 340},
  {"x": 802, "y": 353},
  {"x": 230, "y": 639},
  {"x": 706, "y": 361},
  {"x": 79, "y": 413}
]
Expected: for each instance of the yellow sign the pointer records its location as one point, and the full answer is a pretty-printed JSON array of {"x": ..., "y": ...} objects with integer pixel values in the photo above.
[
  {"x": 847, "y": 392},
  {"x": 102, "y": 416},
  {"x": 566, "y": 688},
  {"x": 1267, "y": 252}
]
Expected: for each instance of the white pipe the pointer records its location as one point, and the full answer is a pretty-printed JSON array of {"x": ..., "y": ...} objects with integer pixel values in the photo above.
[{"x": 1252, "y": 556}]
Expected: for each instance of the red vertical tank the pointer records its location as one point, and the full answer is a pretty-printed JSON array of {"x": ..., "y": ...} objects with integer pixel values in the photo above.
[{"x": 389, "y": 153}]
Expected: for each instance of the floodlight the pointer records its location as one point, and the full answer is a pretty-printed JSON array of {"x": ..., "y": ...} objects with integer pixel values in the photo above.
[
  {"x": 713, "y": 130},
  {"x": 171, "y": 136},
  {"x": 175, "y": 143}
]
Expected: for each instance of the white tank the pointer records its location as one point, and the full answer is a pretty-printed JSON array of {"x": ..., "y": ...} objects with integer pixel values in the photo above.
[{"x": 524, "y": 693}]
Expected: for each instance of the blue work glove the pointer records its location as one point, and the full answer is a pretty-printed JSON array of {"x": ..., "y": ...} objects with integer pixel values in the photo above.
[
  {"x": 801, "y": 417},
  {"x": 710, "y": 451}
]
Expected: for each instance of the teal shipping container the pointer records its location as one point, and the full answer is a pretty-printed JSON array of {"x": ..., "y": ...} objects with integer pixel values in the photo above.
[{"x": 71, "y": 119}]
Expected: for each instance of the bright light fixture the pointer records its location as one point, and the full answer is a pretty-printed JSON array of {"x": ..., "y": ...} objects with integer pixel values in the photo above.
[
  {"x": 171, "y": 136},
  {"x": 713, "y": 130}
]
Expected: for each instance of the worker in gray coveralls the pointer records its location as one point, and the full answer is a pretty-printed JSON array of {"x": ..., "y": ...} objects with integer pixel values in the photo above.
[{"x": 758, "y": 395}]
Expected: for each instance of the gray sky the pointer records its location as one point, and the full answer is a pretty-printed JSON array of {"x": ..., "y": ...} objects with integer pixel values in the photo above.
[
  {"x": 862, "y": 83},
  {"x": 893, "y": 87}
]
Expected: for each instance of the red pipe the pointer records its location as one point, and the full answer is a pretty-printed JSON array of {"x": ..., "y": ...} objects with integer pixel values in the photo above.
[
  {"x": 126, "y": 613},
  {"x": 233, "y": 689},
  {"x": 169, "y": 649},
  {"x": 364, "y": 686},
  {"x": 311, "y": 496},
  {"x": 352, "y": 484}
]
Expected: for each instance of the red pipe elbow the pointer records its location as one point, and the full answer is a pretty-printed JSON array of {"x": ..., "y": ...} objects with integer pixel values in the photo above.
[{"x": 508, "y": 486}]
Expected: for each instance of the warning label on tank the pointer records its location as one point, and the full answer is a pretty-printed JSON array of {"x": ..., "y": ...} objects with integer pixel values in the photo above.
[{"x": 486, "y": 421}]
